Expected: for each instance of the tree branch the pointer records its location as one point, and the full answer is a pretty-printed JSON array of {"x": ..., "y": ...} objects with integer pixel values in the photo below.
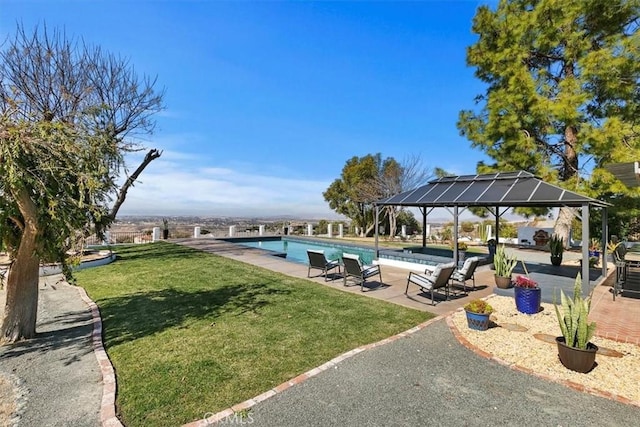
[{"x": 148, "y": 158}]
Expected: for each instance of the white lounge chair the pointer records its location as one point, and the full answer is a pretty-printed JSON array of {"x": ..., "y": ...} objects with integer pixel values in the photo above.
[
  {"x": 467, "y": 272},
  {"x": 354, "y": 269},
  {"x": 433, "y": 280}
]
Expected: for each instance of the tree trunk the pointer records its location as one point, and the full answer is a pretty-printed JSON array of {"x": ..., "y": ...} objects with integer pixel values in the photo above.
[
  {"x": 21, "y": 306},
  {"x": 569, "y": 167},
  {"x": 393, "y": 224},
  {"x": 563, "y": 225}
]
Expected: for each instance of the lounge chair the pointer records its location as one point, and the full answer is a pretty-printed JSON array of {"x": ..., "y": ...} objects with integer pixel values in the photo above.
[
  {"x": 467, "y": 272},
  {"x": 433, "y": 280},
  {"x": 359, "y": 273},
  {"x": 318, "y": 261}
]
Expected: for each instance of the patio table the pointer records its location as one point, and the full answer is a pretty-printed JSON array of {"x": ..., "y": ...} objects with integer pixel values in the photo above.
[{"x": 632, "y": 258}]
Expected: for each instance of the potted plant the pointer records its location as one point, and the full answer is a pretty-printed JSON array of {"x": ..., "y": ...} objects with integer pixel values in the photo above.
[
  {"x": 491, "y": 246},
  {"x": 165, "y": 228},
  {"x": 556, "y": 247},
  {"x": 612, "y": 246},
  {"x": 575, "y": 350},
  {"x": 594, "y": 252},
  {"x": 504, "y": 265},
  {"x": 462, "y": 251},
  {"x": 527, "y": 293},
  {"x": 478, "y": 312}
]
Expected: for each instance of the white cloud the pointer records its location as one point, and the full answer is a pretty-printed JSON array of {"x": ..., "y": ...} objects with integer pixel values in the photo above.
[{"x": 167, "y": 187}]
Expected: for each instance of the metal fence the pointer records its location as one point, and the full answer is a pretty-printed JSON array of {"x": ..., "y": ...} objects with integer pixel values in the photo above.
[{"x": 118, "y": 237}]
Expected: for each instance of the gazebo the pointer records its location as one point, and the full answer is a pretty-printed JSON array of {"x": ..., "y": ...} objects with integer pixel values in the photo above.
[{"x": 497, "y": 192}]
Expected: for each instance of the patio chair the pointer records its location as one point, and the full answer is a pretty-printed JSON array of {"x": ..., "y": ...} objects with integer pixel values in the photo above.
[
  {"x": 431, "y": 281},
  {"x": 622, "y": 265},
  {"x": 318, "y": 261},
  {"x": 467, "y": 272},
  {"x": 359, "y": 273}
]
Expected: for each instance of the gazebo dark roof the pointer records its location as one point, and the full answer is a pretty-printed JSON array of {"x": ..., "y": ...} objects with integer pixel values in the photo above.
[{"x": 503, "y": 189}]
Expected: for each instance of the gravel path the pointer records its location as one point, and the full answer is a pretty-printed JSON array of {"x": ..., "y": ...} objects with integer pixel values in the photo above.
[
  {"x": 430, "y": 379},
  {"x": 60, "y": 380}
]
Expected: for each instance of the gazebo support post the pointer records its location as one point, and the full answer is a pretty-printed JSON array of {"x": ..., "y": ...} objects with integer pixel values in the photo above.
[
  {"x": 376, "y": 232},
  {"x": 605, "y": 239},
  {"x": 455, "y": 234},
  {"x": 497, "y": 215},
  {"x": 424, "y": 226},
  {"x": 585, "y": 247}
]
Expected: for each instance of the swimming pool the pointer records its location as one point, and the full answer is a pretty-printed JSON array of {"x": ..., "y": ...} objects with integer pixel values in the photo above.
[{"x": 296, "y": 250}]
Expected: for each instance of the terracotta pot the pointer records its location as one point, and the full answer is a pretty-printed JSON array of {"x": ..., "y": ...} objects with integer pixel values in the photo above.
[
  {"x": 502, "y": 282},
  {"x": 577, "y": 359}
]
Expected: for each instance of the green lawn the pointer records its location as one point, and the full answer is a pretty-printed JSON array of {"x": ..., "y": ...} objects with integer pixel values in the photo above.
[{"x": 190, "y": 333}]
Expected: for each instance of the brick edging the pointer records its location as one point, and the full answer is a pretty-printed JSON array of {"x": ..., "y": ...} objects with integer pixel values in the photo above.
[
  {"x": 108, "y": 405},
  {"x": 614, "y": 336},
  {"x": 214, "y": 418},
  {"x": 567, "y": 383}
]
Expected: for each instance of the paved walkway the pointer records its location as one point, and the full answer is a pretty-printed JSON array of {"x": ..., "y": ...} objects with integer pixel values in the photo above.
[
  {"x": 428, "y": 378},
  {"x": 60, "y": 382}
]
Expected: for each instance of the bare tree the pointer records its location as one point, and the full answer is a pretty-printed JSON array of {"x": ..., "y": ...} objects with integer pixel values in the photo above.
[
  {"x": 68, "y": 114},
  {"x": 394, "y": 178}
]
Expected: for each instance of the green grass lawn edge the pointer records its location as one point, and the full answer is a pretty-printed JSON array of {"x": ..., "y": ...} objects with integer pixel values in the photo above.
[{"x": 191, "y": 333}]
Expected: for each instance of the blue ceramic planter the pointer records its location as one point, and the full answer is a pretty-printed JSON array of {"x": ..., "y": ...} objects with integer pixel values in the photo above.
[
  {"x": 528, "y": 299},
  {"x": 477, "y": 321}
]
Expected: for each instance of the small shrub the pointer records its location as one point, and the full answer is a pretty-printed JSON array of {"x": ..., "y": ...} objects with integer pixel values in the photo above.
[
  {"x": 525, "y": 282},
  {"x": 479, "y": 306}
]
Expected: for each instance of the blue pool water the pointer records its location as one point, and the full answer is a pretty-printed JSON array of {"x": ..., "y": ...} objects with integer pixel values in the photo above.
[{"x": 296, "y": 250}]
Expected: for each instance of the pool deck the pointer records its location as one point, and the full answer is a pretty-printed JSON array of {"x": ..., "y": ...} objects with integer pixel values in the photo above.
[{"x": 619, "y": 319}]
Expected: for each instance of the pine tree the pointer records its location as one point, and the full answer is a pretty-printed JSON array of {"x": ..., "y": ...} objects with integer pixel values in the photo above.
[{"x": 562, "y": 96}]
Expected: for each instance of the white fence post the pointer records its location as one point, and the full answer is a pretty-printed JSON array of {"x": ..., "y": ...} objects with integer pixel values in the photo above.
[
  {"x": 261, "y": 230},
  {"x": 196, "y": 232},
  {"x": 156, "y": 234},
  {"x": 309, "y": 229},
  {"x": 330, "y": 230},
  {"x": 403, "y": 233},
  {"x": 232, "y": 230}
]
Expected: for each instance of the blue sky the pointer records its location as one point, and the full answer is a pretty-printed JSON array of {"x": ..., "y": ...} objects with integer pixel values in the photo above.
[{"x": 266, "y": 101}]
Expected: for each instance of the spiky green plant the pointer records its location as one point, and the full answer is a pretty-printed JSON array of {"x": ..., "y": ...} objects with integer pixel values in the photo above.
[
  {"x": 504, "y": 263},
  {"x": 483, "y": 233},
  {"x": 574, "y": 322},
  {"x": 556, "y": 245}
]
